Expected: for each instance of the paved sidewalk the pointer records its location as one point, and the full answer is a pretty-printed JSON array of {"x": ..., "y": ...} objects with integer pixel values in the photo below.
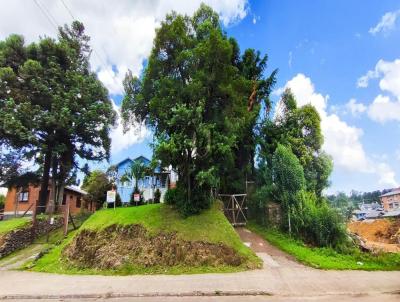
[{"x": 280, "y": 277}]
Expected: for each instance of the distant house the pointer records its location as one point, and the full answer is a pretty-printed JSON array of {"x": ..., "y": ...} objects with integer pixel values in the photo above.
[
  {"x": 159, "y": 178},
  {"x": 391, "y": 200},
  {"x": 21, "y": 200},
  {"x": 368, "y": 214},
  {"x": 389, "y": 207}
]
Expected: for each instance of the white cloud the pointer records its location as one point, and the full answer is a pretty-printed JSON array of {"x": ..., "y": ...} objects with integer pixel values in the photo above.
[
  {"x": 355, "y": 108},
  {"x": 121, "y": 141},
  {"x": 121, "y": 31},
  {"x": 386, "y": 24},
  {"x": 389, "y": 72},
  {"x": 383, "y": 109},
  {"x": 290, "y": 59},
  {"x": 342, "y": 141},
  {"x": 363, "y": 81},
  {"x": 387, "y": 175}
]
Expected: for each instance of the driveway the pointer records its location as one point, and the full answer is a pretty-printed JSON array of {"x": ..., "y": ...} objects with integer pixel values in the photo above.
[{"x": 281, "y": 278}]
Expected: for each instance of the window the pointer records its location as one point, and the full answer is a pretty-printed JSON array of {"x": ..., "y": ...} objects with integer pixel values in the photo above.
[
  {"x": 395, "y": 205},
  {"x": 23, "y": 196},
  {"x": 64, "y": 199},
  {"x": 78, "y": 202},
  {"x": 390, "y": 205}
]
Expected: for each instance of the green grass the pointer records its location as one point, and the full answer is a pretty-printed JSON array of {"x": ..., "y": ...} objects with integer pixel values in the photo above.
[
  {"x": 13, "y": 224},
  {"x": 328, "y": 258},
  {"x": 210, "y": 226}
]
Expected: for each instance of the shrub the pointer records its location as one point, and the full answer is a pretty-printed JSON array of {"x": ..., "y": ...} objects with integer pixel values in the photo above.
[
  {"x": 316, "y": 222},
  {"x": 157, "y": 196},
  {"x": 177, "y": 197},
  {"x": 2, "y": 201},
  {"x": 171, "y": 196}
]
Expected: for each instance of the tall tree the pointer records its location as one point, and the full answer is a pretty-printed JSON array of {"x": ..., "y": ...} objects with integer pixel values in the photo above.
[
  {"x": 195, "y": 95},
  {"x": 96, "y": 185},
  {"x": 300, "y": 129},
  {"x": 54, "y": 106},
  {"x": 135, "y": 171},
  {"x": 288, "y": 176}
]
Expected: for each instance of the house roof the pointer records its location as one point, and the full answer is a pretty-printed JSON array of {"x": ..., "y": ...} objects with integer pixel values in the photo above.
[
  {"x": 393, "y": 213},
  {"x": 76, "y": 189},
  {"x": 141, "y": 158},
  {"x": 394, "y": 192}
]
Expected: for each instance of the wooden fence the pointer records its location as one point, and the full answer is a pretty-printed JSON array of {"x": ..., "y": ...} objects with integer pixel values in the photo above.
[{"x": 235, "y": 208}]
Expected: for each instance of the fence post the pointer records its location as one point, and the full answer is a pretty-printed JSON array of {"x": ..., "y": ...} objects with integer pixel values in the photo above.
[{"x": 66, "y": 216}]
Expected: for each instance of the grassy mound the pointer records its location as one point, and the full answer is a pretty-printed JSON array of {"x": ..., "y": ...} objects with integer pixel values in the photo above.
[
  {"x": 150, "y": 239},
  {"x": 9, "y": 225}
]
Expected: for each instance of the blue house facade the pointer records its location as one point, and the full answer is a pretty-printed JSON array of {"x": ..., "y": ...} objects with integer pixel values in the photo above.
[{"x": 159, "y": 178}]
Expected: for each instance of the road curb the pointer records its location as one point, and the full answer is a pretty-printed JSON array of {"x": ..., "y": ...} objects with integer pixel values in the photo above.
[{"x": 215, "y": 293}]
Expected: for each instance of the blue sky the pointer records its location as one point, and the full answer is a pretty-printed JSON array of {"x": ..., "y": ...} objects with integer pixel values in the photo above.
[
  {"x": 337, "y": 55},
  {"x": 330, "y": 43}
]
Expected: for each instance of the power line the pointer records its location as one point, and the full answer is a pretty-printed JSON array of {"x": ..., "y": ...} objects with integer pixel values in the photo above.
[
  {"x": 45, "y": 14},
  {"x": 54, "y": 23},
  {"x": 100, "y": 58},
  {"x": 69, "y": 11}
]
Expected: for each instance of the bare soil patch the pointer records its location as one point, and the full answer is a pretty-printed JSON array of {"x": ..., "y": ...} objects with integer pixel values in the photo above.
[
  {"x": 117, "y": 246},
  {"x": 379, "y": 234}
]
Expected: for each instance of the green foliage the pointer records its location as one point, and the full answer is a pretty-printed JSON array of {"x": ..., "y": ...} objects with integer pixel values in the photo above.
[
  {"x": 300, "y": 129},
  {"x": 96, "y": 185},
  {"x": 287, "y": 175},
  {"x": 294, "y": 171},
  {"x": 343, "y": 204},
  {"x": 2, "y": 201},
  {"x": 194, "y": 94},
  {"x": 51, "y": 81},
  {"x": 157, "y": 196},
  {"x": 13, "y": 224},
  {"x": 328, "y": 258},
  {"x": 136, "y": 171},
  {"x": 174, "y": 196},
  {"x": 317, "y": 223}
]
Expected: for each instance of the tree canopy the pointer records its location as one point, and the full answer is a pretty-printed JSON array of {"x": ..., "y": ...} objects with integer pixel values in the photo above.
[
  {"x": 300, "y": 129},
  {"x": 201, "y": 98},
  {"x": 52, "y": 104}
]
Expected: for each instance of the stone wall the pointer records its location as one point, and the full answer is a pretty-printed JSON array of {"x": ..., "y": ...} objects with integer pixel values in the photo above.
[{"x": 20, "y": 238}]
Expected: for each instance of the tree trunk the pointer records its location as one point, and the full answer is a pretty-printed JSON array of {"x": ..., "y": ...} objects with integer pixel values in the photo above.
[
  {"x": 65, "y": 167},
  {"x": 53, "y": 193},
  {"x": 189, "y": 188},
  {"x": 290, "y": 227},
  {"x": 45, "y": 182}
]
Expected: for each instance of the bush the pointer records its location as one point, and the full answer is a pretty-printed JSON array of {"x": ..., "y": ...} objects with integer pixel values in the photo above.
[
  {"x": 316, "y": 222},
  {"x": 2, "y": 201},
  {"x": 171, "y": 196},
  {"x": 157, "y": 196},
  {"x": 177, "y": 197}
]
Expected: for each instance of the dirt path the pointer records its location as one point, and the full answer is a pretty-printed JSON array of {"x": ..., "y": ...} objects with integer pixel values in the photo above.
[
  {"x": 17, "y": 259},
  {"x": 271, "y": 256}
]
